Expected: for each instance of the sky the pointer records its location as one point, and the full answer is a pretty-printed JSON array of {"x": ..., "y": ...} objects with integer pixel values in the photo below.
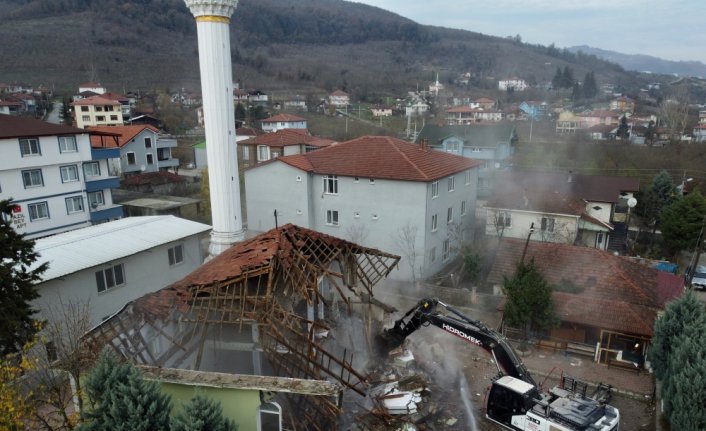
[{"x": 668, "y": 29}]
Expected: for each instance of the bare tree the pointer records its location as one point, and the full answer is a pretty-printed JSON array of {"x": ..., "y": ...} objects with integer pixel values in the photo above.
[
  {"x": 61, "y": 358},
  {"x": 674, "y": 111},
  {"x": 357, "y": 233},
  {"x": 405, "y": 241}
]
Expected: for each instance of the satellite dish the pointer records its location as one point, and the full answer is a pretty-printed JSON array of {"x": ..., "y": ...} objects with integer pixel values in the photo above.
[
  {"x": 632, "y": 202},
  {"x": 143, "y": 168}
]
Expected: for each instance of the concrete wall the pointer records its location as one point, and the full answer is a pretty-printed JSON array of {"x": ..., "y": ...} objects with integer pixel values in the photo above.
[
  {"x": 144, "y": 272},
  {"x": 137, "y": 146},
  {"x": 565, "y": 227},
  {"x": 276, "y": 186},
  {"x": 602, "y": 212}
]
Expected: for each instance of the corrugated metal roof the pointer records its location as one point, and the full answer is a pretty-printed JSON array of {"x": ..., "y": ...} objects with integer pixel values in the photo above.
[{"x": 79, "y": 249}]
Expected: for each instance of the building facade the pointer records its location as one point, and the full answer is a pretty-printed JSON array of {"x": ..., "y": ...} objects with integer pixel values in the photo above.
[
  {"x": 57, "y": 181},
  {"x": 97, "y": 111},
  {"x": 142, "y": 148}
]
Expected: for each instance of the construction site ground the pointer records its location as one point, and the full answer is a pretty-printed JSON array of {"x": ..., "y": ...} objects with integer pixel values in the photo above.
[{"x": 446, "y": 358}]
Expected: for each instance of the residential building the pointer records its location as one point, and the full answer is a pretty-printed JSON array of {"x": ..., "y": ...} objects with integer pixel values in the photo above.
[
  {"x": 125, "y": 104},
  {"x": 490, "y": 144},
  {"x": 241, "y": 328},
  {"x": 512, "y": 84},
  {"x": 606, "y": 304},
  {"x": 241, "y": 134},
  {"x": 57, "y": 181},
  {"x": 564, "y": 208},
  {"x": 283, "y": 121},
  {"x": 97, "y": 111},
  {"x": 142, "y": 148},
  {"x": 622, "y": 104},
  {"x": 598, "y": 117},
  {"x": 110, "y": 264},
  {"x": 379, "y": 191},
  {"x": 699, "y": 132},
  {"x": 483, "y": 103},
  {"x": 257, "y": 97},
  {"x": 567, "y": 123},
  {"x": 460, "y": 115},
  {"x": 295, "y": 102},
  {"x": 94, "y": 87},
  {"x": 286, "y": 142},
  {"x": 10, "y": 108},
  {"x": 339, "y": 98},
  {"x": 381, "y": 111}
]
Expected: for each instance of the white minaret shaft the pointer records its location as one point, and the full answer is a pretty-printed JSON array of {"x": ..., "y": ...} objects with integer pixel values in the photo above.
[{"x": 213, "y": 25}]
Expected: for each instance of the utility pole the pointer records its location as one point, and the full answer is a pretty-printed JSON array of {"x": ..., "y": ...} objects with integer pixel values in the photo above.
[{"x": 524, "y": 252}]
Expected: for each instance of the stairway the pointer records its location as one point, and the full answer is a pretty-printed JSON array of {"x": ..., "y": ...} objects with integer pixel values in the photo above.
[{"x": 618, "y": 238}]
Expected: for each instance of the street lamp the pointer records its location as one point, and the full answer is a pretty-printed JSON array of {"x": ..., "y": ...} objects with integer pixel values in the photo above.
[{"x": 632, "y": 202}]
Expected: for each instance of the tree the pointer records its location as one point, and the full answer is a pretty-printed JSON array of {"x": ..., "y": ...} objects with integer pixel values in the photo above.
[
  {"x": 17, "y": 284},
  {"x": 682, "y": 221},
  {"x": 529, "y": 299},
  {"x": 623, "y": 129},
  {"x": 681, "y": 313},
  {"x": 567, "y": 77},
  {"x": 205, "y": 194},
  {"x": 15, "y": 408},
  {"x": 684, "y": 391},
  {"x": 650, "y": 133},
  {"x": 577, "y": 92},
  {"x": 590, "y": 88},
  {"x": 674, "y": 111},
  {"x": 405, "y": 240},
  {"x": 240, "y": 115},
  {"x": 557, "y": 81},
  {"x": 122, "y": 400},
  {"x": 658, "y": 196},
  {"x": 202, "y": 414}
]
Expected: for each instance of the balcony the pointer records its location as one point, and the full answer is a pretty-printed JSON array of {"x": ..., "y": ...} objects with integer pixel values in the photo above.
[
  {"x": 105, "y": 153},
  {"x": 102, "y": 184},
  {"x": 106, "y": 213},
  {"x": 166, "y": 142},
  {"x": 167, "y": 163}
]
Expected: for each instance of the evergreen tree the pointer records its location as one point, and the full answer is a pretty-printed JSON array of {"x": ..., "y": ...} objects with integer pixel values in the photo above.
[
  {"x": 240, "y": 115},
  {"x": 658, "y": 196},
  {"x": 567, "y": 77},
  {"x": 590, "y": 88},
  {"x": 202, "y": 414},
  {"x": 17, "y": 284},
  {"x": 623, "y": 129},
  {"x": 557, "y": 81},
  {"x": 122, "y": 400},
  {"x": 681, "y": 313},
  {"x": 529, "y": 299},
  {"x": 576, "y": 93},
  {"x": 650, "y": 133},
  {"x": 682, "y": 221}
]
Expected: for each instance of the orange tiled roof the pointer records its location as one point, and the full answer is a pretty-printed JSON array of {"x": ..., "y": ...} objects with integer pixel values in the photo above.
[
  {"x": 618, "y": 295},
  {"x": 381, "y": 157},
  {"x": 282, "y": 118},
  {"x": 281, "y": 138},
  {"x": 126, "y": 133},
  {"x": 95, "y": 100}
]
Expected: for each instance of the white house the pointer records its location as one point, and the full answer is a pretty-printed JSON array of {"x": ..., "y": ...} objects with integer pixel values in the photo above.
[
  {"x": 111, "y": 264},
  {"x": 514, "y": 83},
  {"x": 142, "y": 148},
  {"x": 92, "y": 86},
  {"x": 97, "y": 111},
  {"x": 283, "y": 121},
  {"x": 377, "y": 191},
  {"x": 54, "y": 177},
  {"x": 339, "y": 98}
]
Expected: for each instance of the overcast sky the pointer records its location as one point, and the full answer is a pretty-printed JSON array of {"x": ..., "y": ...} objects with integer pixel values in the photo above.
[{"x": 669, "y": 29}]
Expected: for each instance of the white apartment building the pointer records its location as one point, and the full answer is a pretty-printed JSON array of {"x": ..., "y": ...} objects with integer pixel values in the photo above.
[{"x": 97, "y": 111}]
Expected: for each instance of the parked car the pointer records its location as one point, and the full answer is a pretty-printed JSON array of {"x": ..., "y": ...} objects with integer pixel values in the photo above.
[{"x": 698, "y": 281}]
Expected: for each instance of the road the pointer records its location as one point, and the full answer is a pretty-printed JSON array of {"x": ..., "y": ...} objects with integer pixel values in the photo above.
[{"x": 55, "y": 114}]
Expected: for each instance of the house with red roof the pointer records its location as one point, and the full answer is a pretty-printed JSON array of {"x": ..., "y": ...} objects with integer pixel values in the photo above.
[
  {"x": 283, "y": 121},
  {"x": 285, "y": 142},
  {"x": 97, "y": 111},
  {"x": 95, "y": 87},
  {"x": 142, "y": 147},
  {"x": 378, "y": 191},
  {"x": 606, "y": 304},
  {"x": 585, "y": 210},
  {"x": 339, "y": 98}
]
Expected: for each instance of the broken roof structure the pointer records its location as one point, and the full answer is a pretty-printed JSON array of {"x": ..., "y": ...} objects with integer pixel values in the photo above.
[{"x": 261, "y": 308}]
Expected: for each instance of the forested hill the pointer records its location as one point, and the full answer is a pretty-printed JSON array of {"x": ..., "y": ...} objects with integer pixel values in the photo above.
[{"x": 276, "y": 44}]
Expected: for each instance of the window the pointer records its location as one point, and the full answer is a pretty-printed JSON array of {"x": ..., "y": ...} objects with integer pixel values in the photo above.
[
  {"x": 100, "y": 117},
  {"x": 38, "y": 211},
  {"x": 95, "y": 199},
  {"x": 110, "y": 278},
  {"x": 331, "y": 184},
  {"x": 452, "y": 184},
  {"x": 109, "y": 108},
  {"x": 432, "y": 254},
  {"x": 476, "y": 150},
  {"x": 434, "y": 222},
  {"x": 450, "y": 215},
  {"x": 263, "y": 153},
  {"x": 74, "y": 204},
  {"x": 67, "y": 144},
  {"x": 113, "y": 118},
  {"x": 148, "y": 141},
  {"x": 99, "y": 109},
  {"x": 332, "y": 217},
  {"x": 446, "y": 250},
  {"x": 130, "y": 158},
  {"x": 86, "y": 118},
  {"x": 176, "y": 255},
  {"x": 92, "y": 169},
  {"x": 84, "y": 109},
  {"x": 269, "y": 417},
  {"x": 434, "y": 189},
  {"x": 246, "y": 153},
  {"x": 548, "y": 224},
  {"x": 463, "y": 207},
  {"x": 69, "y": 173},
  {"x": 150, "y": 158},
  {"x": 504, "y": 219},
  {"x": 32, "y": 178},
  {"x": 30, "y": 147},
  {"x": 453, "y": 147},
  {"x": 467, "y": 177}
]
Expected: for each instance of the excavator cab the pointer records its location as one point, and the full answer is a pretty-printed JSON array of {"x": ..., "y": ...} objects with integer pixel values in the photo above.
[{"x": 510, "y": 397}]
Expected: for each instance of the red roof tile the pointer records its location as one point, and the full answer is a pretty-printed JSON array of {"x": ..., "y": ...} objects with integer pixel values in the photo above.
[
  {"x": 95, "y": 100},
  {"x": 283, "y": 118},
  {"x": 17, "y": 127},
  {"x": 618, "y": 294},
  {"x": 339, "y": 93},
  {"x": 125, "y": 134},
  {"x": 381, "y": 157},
  {"x": 153, "y": 178},
  {"x": 281, "y": 138}
]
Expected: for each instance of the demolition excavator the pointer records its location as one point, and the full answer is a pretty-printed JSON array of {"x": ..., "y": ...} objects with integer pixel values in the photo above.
[{"x": 514, "y": 401}]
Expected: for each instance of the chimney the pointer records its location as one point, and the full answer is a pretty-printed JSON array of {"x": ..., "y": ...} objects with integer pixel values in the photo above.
[
  {"x": 570, "y": 179},
  {"x": 424, "y": 144}
]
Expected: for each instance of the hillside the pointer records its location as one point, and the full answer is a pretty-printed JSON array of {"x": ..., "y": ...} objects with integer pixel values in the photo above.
[
  {"x": 646, "y": 63},
  {"x": 297, "y": 45}
]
